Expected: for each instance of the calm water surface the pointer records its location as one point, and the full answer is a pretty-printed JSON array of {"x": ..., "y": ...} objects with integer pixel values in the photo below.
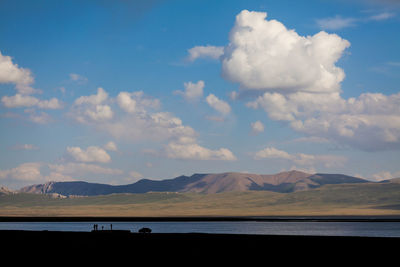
[{"x": 372, "y": 229}]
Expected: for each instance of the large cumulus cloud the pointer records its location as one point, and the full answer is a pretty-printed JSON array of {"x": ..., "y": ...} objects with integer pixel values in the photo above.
[{"x": 265, "y": 55}]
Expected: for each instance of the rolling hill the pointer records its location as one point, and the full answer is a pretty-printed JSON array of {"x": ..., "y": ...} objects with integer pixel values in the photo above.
[
  {"x": 346, "y": 199},
  {"x": 284, "y": 182}
]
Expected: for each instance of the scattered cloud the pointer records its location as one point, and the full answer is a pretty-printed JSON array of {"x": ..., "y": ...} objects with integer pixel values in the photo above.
[
  {"x": 136, "y": 102},
  {"x": 217, "y": 104},
  {"x": 87, "y": 109},
  {"x": 19, "y": 100},
  {"x": 25, "y": 147},
  {"x": 382, "y": 16},
  {"x": 187, "y": 149},
  {"x": 193, "y": 91},
  {"x": 78, "y": 169},
  {"x": 336, "y": 23},
  {"x": 297, "y": 81},
  {"x": 96, "y": 99},
  {"x": 78, "y": 78},
  {"x": 138, "y": 121},
  {"x": 24, "y": 172},
  {"x": 302, "y": 159},
  {"x": 370, "y": 122},
  {"x": 39, "y": 118},
  {"x": 110, "y": 146},
  {"x": 209, "y": 51},
  {"x": 385, "y": 175},
  {"x": 257, "y": 127},
  {"x": 11, "y": 73},
  {"x": 91, "y": 154}
]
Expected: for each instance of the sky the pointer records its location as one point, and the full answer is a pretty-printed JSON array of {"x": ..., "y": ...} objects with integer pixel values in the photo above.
[{"x": 117, "y": 91}]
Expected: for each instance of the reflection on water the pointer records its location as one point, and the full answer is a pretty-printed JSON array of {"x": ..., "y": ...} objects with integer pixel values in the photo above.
[{"x": 373, "y": 229}]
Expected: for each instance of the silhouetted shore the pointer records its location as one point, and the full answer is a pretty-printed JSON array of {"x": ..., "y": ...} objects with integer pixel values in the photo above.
[
  {"x": 127, "y": 243},
  {"x": 120, "y": 248}
]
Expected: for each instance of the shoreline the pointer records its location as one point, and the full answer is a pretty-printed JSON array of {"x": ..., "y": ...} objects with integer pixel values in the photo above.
[
  {"x": 120, "y": 248},
  {"x": 122, "y": 243}
]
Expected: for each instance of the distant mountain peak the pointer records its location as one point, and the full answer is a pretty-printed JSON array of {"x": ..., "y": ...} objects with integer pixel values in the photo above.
[
  {"x": 6, "y": 191},
  {"x": 283, "y": 182}
]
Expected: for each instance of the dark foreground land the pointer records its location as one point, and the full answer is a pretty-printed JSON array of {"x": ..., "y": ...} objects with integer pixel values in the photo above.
[{"x": 195, "y": 248}]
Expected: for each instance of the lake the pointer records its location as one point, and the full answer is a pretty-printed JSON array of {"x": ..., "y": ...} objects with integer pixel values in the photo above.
[{"x": 370, "y": 229}]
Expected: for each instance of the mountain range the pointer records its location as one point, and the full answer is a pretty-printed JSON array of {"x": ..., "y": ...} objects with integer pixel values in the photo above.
[{"x": 283, "y": 182}]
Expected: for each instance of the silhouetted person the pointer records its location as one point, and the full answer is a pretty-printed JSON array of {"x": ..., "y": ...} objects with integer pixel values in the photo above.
[
  {"x": 102, "y": 227},
  {"x": 111, "y": 227}
]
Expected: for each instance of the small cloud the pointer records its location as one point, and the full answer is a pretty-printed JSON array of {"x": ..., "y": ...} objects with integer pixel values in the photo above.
[
  {"x": 233, "y": 95},
  {"x": 215, "y": 118},
  {"x": 41, "y": 118},
  {"x": 385, "y": 175},
  {"x": 336, "y": 23},
  {"x": 394, "y": 64},
  {"x": 257, "y": 127},
  {"x": 209, "y": 51},
  {"x": 91, "y": 154},
  {"x": 302, "y": 159},
  {"x": 110, "y": 146},
  {"x": 382, "y": 16},
  {"x": 135, "y": 175},
  {"x": 25, "y": 147},
  {"x": 78, "y": 78},
  {"x": 217, "y": 104},
  {"x": 193, "y": 91}
]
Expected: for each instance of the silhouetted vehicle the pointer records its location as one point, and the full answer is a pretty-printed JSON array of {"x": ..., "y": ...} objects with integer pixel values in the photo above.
[{"x": 145, "y": 230}]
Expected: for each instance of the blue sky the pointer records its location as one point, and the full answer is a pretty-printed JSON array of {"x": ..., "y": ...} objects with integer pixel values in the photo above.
[{"x": 115, "y": 91}]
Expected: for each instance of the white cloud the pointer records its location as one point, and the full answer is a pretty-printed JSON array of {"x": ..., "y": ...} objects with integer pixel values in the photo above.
[
  {"x": 217, "y": 104},
  {"x": 30, "y": 172},
  {"x": 193, "y": 91},
  {"x": 91, "y": 154},
  {"x": 158, "y": 126},
  {"x": 271, "y": 152},
  {"x": 139, "y": 122},
  {"x": 25, "y": 147},
  {"x": 78, "y": 169},
  {"x": 265, "y": 55},
  {"x": 302, "y": 159},
  {"x": 96, "y": 99},
  {"x": 41, "y": 118},
  {"x": 98, "y": 113},
  {"x": 336, "y": 23},
  {"x": 369, "y": 122},
  {"x": 12, "y": 73},
  {"x": 187, "y": 149},
  {"x": 385, "y": 175},
  {"x": 20, "y": 100},
  {"x": 208, "y": 51},
  {"x": 89, "y": 109},
  {"x": 25, "y": 172},
  {"x": 111, "y": 146},
  {"x": 257, "y": 127},
  {"x": 78, "y": 78},
  {"x": 382, "y": 16},
  {"x": 136, "y": 102}
]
